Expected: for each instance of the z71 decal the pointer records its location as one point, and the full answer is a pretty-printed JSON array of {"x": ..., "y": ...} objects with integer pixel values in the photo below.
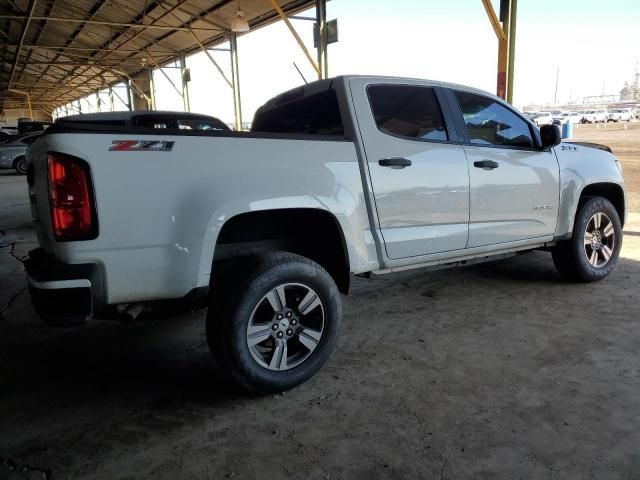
[{"x": 141, "y": 146}]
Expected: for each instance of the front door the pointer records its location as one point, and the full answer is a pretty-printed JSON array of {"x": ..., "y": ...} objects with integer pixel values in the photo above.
[
  {"x": 420, "y": 179},
  {"x": 514, "y": 186}
]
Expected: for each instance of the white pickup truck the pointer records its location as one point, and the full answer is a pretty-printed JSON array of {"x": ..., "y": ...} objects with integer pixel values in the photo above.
[{"x": 351, "y": 175}]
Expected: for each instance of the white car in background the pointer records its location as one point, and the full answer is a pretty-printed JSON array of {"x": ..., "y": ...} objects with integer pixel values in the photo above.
[
  {"x": 601, "y": 116},
  {"x": 621, "y": 115},
  {"x": 576, "y": 117},
  {"x": 589, "y": 116},
  {"x": 560, "y": 117},
  {"x": 542, "y": 118}
]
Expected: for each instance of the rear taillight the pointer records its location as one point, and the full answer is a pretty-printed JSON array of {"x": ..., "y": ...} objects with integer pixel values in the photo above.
[{"x": 73, "y": 215}]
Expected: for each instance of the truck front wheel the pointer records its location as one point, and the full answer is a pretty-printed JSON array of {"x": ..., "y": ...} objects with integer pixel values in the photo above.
[
  {"x": 274, "y": 321},
  {"x": 592, "y": 252}
]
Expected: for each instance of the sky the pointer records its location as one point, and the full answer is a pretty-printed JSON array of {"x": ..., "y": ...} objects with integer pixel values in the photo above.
[{"x": 595, "y": 44}]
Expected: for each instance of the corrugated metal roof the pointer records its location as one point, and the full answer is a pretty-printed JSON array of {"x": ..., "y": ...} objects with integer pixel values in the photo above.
[{"x": 61, "y": 50}]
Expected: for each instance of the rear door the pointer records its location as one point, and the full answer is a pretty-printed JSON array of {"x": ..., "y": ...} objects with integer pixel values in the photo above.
[
  {"x": 419, "y": 177},
  {"x": 514, "y": 186}
]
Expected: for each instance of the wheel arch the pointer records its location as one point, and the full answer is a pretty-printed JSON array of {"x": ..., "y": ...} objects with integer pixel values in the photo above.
[
  {"x": 310, "y": 232},
  {"x": 16, "y": 160},
  {"x": 611, "y": 191}
]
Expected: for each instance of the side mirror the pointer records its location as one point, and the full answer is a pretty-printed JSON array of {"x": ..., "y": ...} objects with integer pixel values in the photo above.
[{"x": 550, "y": 136}]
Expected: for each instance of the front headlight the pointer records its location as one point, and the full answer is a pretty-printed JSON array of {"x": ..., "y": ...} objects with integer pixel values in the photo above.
[{"x": 619, "y": 164}]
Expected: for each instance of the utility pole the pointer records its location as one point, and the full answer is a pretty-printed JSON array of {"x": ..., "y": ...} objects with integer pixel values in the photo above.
[{"x": 555, "y": 95}]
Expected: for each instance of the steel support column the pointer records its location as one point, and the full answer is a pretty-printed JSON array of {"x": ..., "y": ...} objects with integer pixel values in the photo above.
[
  {"x": 98, "y": 101},
  {"x": 110, "y": 99},
  {"x": 185, "y": 84},
  {"x": 502, "y": 33},
  {"x": 321, "y": 24},
  {"x": 286, "y": 21},
  {"x": 152, "y": 90},
  {"x": 127, "y": 84},
  {"x": 512, "y": 49},
  {"x": 235, "y": 79},
  {"x": 503, "y": 59}
]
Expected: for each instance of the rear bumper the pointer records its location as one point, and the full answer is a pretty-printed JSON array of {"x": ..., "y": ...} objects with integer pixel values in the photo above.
[{"x": 63, "y": 293}]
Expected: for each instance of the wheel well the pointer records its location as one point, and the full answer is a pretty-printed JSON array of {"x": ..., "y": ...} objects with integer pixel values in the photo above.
[
  {"x": 16, "y": 160},
  {"x": 314, "y": 234},
  {"x": 611, "y": 192}
]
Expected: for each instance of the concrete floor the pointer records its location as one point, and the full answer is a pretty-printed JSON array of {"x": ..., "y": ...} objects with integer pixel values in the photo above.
[{"x": 499, "y": 371}]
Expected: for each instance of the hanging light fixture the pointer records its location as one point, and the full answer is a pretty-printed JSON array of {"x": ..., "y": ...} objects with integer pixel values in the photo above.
[{"x": 239, "y": 24}]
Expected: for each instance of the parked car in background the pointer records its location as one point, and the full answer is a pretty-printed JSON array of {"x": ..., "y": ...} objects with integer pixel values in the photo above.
[
  {"x": 4, "y": 136},
  {"x": 576, "y": 117},
  {"x": 13, "y": 153},
  {"x": 6, "y": 132},
  {"x": 28, "y": 126},
  {"x": 589, "y": 116},
  {"x": 560, "y": 118},
  {"x": 620, "y": 115},
  {"x": 153, "y": 119},
  {"x": 542, "y": 118},
  {"x": 601, "y": 116},
  {"x": 627, "y": 114}
]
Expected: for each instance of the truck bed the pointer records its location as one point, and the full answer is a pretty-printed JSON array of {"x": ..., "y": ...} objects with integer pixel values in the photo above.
[{"x": 179, "y": 187}]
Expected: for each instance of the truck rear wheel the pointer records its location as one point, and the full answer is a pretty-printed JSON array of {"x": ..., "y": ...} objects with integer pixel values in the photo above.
[
  {"x": 592, "y": 252},
  {"x": 274, "y": 322}
]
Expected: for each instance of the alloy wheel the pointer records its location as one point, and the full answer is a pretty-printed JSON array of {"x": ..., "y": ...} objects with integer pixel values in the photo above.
[
  {"x": 599, "y": 240},
  {"x": 285, "y": 326}
]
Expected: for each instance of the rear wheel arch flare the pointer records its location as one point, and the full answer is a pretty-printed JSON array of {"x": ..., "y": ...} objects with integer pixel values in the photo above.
[{"x": 313, "y": 233}]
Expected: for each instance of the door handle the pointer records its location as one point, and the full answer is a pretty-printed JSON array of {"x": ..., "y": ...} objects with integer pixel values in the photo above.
[
  {"x": 486, "y": 164},
  {"x": 395, "y": 162}
]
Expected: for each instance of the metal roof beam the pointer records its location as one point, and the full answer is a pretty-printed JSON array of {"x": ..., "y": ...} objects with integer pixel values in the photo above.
[
  {"x": 89, "y": 49},
  {"x": 25, "y": 27},
  {"x": 95, "y": 9},
  {"x": 139, "y": 18},
  {"x": 113, "y": 24}
]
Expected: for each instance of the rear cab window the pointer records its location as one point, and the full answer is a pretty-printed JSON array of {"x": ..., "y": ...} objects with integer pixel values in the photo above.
[
  {"x": 408, "y": 111},
  {"x": 316, "y": 114}
]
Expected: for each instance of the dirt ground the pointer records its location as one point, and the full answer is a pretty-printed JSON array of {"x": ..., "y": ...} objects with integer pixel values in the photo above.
[
  {"x": 624, "y": 140},
  {"x": 498, "y": 371}
]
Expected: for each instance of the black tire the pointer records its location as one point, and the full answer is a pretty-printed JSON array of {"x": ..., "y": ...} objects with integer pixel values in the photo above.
[
  {"x": 20, "y": 164},
  {"x": 239, "y": 292},
  {"x": 570, "y": 257}
]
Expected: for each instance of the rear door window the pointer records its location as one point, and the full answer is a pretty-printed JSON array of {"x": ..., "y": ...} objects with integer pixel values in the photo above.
[{"x": 408, "y": 111}]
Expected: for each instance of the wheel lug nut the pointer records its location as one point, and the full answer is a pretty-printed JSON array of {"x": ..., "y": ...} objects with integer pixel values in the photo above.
[
  {"x": 274, "y": 327},
  {"x": 289, "y": 332},
  {"x": 288, "y": 314},
  {"x": 294, "y": 322},
  {"x": 279, "y": 316},
  {"x": 280, "y": 334}
]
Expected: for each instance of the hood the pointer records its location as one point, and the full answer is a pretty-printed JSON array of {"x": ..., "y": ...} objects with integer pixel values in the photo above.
[{"x": 589, "y": 145}]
